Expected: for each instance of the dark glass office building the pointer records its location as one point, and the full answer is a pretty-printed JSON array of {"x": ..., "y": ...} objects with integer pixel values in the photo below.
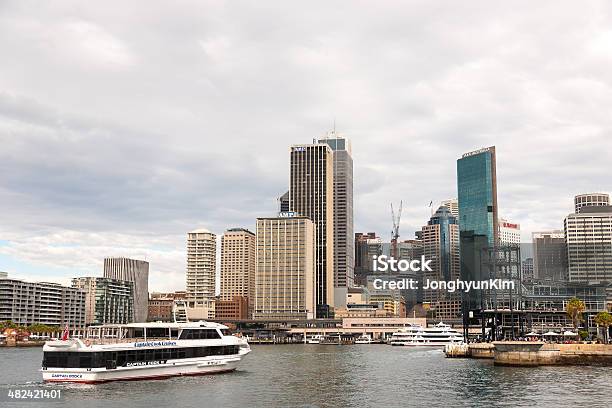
[
  {"x": 478, "y": 232},
  {"x": 477, "y": 189}
]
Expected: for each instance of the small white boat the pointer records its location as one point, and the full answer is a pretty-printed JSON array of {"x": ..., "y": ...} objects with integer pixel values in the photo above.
[
  {"x": 316, "y": 339},
  {"x": 363, "y": 339}
]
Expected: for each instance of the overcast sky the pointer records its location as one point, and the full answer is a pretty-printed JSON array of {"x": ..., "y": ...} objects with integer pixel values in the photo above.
[{"x": 123, "y": 125}]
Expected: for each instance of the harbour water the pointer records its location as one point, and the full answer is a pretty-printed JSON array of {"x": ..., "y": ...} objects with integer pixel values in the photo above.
[{"x": 331, "y": 376}]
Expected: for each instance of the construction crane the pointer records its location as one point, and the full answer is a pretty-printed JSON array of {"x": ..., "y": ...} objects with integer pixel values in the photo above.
[{"x": 395, "y": 232}]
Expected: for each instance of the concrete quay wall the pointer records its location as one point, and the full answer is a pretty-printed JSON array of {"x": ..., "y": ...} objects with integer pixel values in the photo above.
[{"x": 526, "y": 354}]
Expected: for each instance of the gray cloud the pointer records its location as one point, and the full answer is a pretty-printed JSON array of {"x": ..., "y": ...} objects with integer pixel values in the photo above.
[{"x": 139, "y": 122}]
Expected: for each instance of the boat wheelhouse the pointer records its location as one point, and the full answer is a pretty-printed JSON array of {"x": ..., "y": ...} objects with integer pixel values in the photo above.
[
  {"x": 143, "y": 351},
  {"x": 437, "y": 336}
]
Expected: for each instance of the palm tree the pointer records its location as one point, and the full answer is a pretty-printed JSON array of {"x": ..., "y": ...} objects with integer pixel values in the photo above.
[
  {"x": 604, "y": 319},
  {"x": 574, "y": 309}
]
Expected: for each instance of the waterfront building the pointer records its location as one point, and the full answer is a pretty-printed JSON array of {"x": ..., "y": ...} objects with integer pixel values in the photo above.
[
  {"x": 550, "y": 256},
  {"x": 162, "y": 306},
  {"x": 453, "y": 205},
  {"x": 107, "y": 301},
  {"x": 343, "y": 209},
  {"x": 509, "y": 233},
  {"x": 311, "y": 194},
  {"x": 237, "y": 266},
  {"x": 201, "y": 273},
  {"x": 590, "y": 200},
  {"x": 389, "y": 300},
  {"x": 478, "y": 216},
  {"x": 27, "y": 303},
  {"x": 137, "y": 272},
  {"x": 285, "y": 279},
  {"x": 588, "y": 236},
  {"x": 545, "y": 304},
  {"x": 440, "y": 243},
  {"x": 3, "y": 275},
  {"x": 283, "y": 203},
  {"x": 235, "y": 309}
]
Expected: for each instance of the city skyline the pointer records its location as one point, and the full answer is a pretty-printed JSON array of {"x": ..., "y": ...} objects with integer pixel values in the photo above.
[{"x": 86, "y": 176}]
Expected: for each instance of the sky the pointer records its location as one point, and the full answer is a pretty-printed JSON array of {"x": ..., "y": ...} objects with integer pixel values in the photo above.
[{"x": 124, "y": 125}]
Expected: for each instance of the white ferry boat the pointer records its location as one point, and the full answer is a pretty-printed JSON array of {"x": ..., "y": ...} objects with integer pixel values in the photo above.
[
  {"x": 364, "y": 339},
  {"x": 316, "y": 339},
  {"x": 142, "y": 351},
  {"x": 437, "y": 336}
]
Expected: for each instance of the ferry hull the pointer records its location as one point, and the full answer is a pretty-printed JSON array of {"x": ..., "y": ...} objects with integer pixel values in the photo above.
[{"x": 177, "y": 369}]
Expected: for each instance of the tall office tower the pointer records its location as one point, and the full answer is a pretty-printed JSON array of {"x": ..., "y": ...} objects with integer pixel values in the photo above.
[
  {"x": 238, "y": 265},
  {"x": 588, "y": 236},
  {"x": 283, "y": 203},
  {"x": 107, "y": 301},
  {"x": 591, "y": 200},
  {"x": 477, "y": 196},
  {"x": 201, "y": 267},
  {"x": 137, "y": 272},
  {"x": 344, "y": 273},
  {"x": 453, "y": 206},
  {"x": 27, "y": 303},
  {"x": 440, "y": 238},
  {"x": 477, "y": 188},
  {"x": 550, "y": 256},
  {"x": 311, "y": 194},
  {"x": 285, "y": 273},
  {"x": 509, "y": 233}
]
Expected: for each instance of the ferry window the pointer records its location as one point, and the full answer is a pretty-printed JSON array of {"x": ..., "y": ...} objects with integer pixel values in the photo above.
[
  {"x": 85, "y": 360},
  {"x": 174, "y": 333},
  {"x": 140, "y": 355},
  {"x": 159, "y": 355},
  {"x": 226, "y": 332},
  {"x": 157, "y": 332},
  {"x": 187, "y": 335},
  {"x": 181, "y": 353},
  {"x": 138, "y": 332},
  {"x": 149, "y": 355}
]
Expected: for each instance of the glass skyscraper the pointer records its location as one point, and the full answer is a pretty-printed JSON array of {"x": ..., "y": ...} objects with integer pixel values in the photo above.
[
  {"x": 477, "y": 189},
  {"x": 477, "y": 195}
]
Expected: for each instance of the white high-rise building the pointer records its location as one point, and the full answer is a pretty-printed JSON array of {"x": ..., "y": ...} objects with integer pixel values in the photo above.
[
  {"x": 285, "y": 273},
  {"x": 201, "y": 273},
  {"x": 588, "y": 236},
  {"x": 509, "y": 233}
]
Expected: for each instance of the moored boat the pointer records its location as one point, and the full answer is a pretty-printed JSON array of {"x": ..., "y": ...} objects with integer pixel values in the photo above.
[{"x": 437, "y": 336}]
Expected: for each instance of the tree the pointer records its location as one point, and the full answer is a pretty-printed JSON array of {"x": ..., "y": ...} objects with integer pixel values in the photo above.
[
  {"x": 604, "y": 319},
  {"x": 574, "y": 309}
]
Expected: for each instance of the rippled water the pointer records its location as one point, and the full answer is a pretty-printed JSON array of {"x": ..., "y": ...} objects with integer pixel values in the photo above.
[{"x": 334, "y": 376}]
